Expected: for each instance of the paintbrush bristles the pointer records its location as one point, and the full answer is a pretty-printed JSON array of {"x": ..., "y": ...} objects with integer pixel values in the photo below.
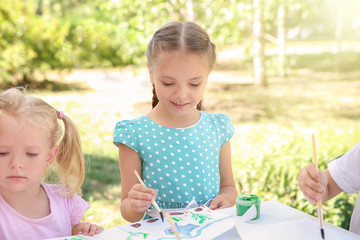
[
  {"x": 161, "y": 215},
  {"x": 154, "y": 203}
]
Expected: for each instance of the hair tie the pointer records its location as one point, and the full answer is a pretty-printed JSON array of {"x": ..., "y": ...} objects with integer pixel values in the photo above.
[{"x": 60, "y": 115}]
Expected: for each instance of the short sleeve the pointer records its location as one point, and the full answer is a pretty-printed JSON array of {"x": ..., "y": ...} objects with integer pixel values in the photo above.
[
  {"x": 225, "y": 127},
  {"x": 124, "y": 132},
  {"x": 345, "y": 170},
  {"x": 77, "y": 207}
]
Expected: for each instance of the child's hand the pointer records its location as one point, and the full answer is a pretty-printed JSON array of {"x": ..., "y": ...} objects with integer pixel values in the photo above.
[
  {"x": 220, "y": 201},
  {"x": 140, "y": 197},
  {"x": 312, "y": 183},
  {"x": 86, "y": 229}
]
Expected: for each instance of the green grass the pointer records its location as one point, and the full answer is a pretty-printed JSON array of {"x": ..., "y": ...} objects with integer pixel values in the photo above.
[
  {"x": 272, "y": 142},
  {"x": 273, "y": 135}
]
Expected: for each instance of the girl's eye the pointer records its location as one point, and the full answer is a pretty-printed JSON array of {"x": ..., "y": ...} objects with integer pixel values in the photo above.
[
  {"x": 32, "y": 154},
  {"x": 195, "y": 84},
  {"x": 168, "y": 84},
  {"x": 3, "y": 153}
]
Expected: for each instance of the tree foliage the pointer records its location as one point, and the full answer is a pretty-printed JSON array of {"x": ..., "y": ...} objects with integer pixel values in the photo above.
[
  {"x": 30, "y": 43},
  {"x": 38, "y": 35}
]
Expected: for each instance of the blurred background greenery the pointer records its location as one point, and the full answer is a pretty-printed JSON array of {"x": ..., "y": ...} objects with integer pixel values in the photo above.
[{"x": 310, "y": 63}]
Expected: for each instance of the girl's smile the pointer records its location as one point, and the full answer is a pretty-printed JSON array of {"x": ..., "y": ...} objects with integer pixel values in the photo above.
[{"x": 179, "y": 105}]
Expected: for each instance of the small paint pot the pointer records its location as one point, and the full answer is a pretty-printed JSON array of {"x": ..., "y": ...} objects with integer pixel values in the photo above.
[{"x": 245, "y": 201}]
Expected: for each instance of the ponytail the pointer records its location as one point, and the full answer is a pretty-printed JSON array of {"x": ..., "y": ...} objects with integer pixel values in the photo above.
[{"x": 70, "y": 159}]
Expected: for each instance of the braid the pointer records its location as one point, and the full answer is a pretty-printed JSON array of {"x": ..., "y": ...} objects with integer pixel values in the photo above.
[{"x": 155, "y": 100}]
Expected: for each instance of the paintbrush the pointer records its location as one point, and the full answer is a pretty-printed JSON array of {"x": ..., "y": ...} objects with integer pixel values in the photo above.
[
  {"x": 319, "y": 202},
  {"x": 173, "y": 226},
  {"x": 152, "y": 199}
]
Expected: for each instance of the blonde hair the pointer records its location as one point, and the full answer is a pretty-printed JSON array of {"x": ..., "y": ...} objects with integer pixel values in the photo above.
[
  {"x": 70, "y": 169},
  {"x": 175, "y": 36}
]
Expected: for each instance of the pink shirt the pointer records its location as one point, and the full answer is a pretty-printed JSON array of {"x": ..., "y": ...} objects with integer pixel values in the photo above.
[{"x": 65, "y": 213}]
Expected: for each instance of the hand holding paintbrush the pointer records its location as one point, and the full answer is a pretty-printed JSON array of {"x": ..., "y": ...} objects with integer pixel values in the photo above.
[
  {"x": 152, "y": 200},
  {"x": 319, "y": 202}
]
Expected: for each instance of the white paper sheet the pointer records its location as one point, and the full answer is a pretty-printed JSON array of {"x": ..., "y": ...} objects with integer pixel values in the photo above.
[
  {"x": 299, "y": 229},
  {"x": 197, "y": 224}
]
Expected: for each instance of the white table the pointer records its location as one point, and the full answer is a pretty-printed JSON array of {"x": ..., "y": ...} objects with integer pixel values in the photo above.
[
  {"x": 277, "y": 221},
  {"x": 273, "y": 212}
]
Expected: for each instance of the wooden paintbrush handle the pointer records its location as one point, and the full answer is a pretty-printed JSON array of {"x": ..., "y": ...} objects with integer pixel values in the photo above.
[
  {"x": 139, "y": 178},
  {"x": 173, "y": 227}
]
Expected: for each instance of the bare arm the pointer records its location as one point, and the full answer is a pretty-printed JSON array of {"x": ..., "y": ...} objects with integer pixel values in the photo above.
[
  {"x": 332, "y": 189},
  {"x": 135, "y": 198},
  {"x": 227, "y": 193}
]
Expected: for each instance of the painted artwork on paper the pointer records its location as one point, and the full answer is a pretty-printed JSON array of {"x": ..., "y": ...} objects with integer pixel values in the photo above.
[{"x": 197, "y": 223}]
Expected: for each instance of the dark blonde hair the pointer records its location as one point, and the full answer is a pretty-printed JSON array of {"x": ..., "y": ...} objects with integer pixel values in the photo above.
[
  {"x": 175, "y": 36},
  {"x": 70, "y": 168}
]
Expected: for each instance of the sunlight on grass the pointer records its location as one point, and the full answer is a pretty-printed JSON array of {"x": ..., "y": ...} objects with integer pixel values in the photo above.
[
  {"x": 105, "y": 213},
  {"x": 272, "y": 141},
  {"x": 267, "y": 160}
]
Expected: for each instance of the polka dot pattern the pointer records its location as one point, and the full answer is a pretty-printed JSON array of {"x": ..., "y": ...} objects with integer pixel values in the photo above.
[{"x": 181, "y": 164}]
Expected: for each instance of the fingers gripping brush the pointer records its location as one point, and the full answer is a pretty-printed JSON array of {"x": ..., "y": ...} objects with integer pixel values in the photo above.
[{"x": 152, "y": 199}]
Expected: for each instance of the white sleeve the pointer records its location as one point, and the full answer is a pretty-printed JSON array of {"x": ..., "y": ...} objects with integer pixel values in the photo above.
[{"x": 345, "y": 170}]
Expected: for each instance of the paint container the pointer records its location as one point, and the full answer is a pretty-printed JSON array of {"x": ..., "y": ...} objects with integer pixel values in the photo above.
[{"x": 245, "y": 201}]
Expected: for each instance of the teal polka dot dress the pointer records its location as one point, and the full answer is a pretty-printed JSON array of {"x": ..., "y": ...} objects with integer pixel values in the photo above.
[{"x": 182, "y": 164}]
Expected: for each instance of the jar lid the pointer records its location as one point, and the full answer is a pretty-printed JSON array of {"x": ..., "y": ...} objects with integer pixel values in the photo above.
[{"x": 247, "y": 199}]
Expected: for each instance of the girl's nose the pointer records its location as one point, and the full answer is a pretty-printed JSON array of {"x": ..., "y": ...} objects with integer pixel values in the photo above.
[
  {"x": 181, "y": 92},
  {"x": 16, "y": 163}
]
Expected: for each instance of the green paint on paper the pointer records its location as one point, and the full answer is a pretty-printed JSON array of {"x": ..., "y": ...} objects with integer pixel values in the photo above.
[
  {"x": 135, "y": 235},
  {"x": 177, "y": 219},
  {"x": 201, "y": 217},
  {"x": 76, "y": 238}
]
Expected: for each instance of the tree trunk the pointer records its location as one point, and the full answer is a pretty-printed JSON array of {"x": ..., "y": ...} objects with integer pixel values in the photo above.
[
  {"x": 338, "y": 35},
  {"x": 258, "y": 45},
  {"x": 39, "y": 8},
  {"x": 281, "y": 41}
]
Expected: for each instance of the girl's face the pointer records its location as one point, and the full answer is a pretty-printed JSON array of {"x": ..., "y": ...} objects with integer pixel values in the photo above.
[
  {"x": 180, "y": 79},
  {"x": 25, "y": 153}
]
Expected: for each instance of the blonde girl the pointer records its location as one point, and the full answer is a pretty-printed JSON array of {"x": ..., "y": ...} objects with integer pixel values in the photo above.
[{"x": 31, "y": 141}]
